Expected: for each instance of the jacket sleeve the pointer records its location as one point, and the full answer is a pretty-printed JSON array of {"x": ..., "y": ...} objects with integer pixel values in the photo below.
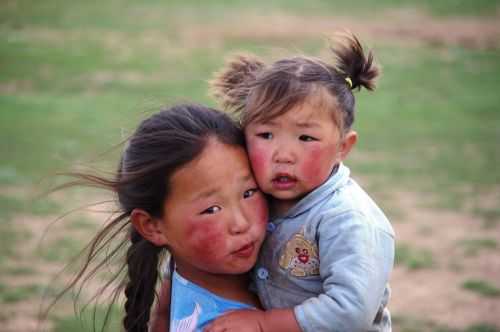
[{"x": 356, "y": 258}]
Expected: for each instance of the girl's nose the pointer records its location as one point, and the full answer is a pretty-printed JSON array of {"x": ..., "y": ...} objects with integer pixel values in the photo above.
[{"x": 239, "y": 223}]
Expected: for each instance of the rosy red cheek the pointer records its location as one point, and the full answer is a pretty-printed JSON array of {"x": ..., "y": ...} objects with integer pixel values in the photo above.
[
  {"x": 206, "y": 240},
  {"x": 261, "y": 211},
  {"x": 312, "y": 165},
  {"x": 259, "y": 161}
]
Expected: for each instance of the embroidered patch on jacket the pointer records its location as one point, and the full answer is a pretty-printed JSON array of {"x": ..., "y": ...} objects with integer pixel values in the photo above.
[{"x": 300, "y": 257}]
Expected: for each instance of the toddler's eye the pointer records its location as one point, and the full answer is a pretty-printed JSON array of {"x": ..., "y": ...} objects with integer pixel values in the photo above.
[
  {"x": 212, "y": 210},
  {"x": 250, "y": 192},
  {"x": 307, "y": 138},
  {"x": 265, "y": 135}
]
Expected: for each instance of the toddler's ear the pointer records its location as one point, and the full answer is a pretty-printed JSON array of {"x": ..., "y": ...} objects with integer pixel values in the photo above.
[
  {"x": 347, "y": 144},
  {"x": 148, "y": 227}
]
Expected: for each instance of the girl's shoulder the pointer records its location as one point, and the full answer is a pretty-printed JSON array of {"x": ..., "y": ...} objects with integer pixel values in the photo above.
[{"x": 193, "y": 306}]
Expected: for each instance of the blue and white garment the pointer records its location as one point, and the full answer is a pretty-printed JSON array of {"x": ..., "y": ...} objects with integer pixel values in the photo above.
[{"x": 192, "y": 307}]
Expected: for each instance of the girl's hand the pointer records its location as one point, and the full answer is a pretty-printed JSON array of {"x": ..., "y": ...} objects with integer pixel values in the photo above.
[
  {"x": 238, "y": 320},
  {"x": 159, "y": 321},
  {"x": 275, "y": 320}
]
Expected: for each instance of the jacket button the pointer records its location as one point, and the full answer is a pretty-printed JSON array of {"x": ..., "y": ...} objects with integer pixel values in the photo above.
[
  {"x": 271, "y": 227},
  {"x": 262, "y": 273}
]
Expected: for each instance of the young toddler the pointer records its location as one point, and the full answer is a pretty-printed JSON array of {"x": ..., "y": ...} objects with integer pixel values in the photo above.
[{"x": 329, "y": 250}]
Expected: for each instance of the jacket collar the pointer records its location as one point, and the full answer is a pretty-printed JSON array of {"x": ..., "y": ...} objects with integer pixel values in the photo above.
[{"x": 338, "y": 178}]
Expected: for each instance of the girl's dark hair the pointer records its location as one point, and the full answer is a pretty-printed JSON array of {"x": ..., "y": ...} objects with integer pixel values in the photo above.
[
  {"x": 259, "y": 92},
  {"x": 161, "y": 144}
]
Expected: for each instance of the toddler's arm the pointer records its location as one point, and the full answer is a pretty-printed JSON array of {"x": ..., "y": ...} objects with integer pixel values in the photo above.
[{"x": 356, "y": 258}]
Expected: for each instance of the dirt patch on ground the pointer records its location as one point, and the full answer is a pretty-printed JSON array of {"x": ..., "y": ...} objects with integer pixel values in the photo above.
[
  {"x": 436, "y": 293},
  {"x": 392, "y": 26},
  {"x": 409, "y": 26},
  {"x": 35, "y": 274},
  {"x": 400, "y": 27},
  {"x": 433, "y": 293}
]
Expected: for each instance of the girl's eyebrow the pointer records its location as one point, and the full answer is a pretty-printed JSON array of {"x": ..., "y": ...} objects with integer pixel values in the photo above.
[
  {"x": 214, "y": 190},
  {"x": 246, "y": 178},
  {"x": 206, "y": 193}
]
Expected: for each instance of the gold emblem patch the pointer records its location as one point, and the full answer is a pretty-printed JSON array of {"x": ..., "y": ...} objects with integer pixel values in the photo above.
[{"x": 300, "y": 257}]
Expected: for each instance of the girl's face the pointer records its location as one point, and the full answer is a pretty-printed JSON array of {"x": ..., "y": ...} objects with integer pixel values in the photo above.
[
  {"x": 214, "y": 215},
  {"x": 294, "y": 153}
]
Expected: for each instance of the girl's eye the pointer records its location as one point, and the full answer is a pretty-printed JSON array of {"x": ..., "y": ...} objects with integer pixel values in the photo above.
[
  {"x": 250, "y": 192},
  {"x": 307, "y": 138},
  {"x": 265, "y": 135},
  {"x": 212, "y": 210}
]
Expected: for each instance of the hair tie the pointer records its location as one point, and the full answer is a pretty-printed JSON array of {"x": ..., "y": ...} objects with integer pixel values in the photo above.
[{"x": 349, "y": 82}]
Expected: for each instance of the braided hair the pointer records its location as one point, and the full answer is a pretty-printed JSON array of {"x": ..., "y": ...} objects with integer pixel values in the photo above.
[{"x": 161, "y": 144}]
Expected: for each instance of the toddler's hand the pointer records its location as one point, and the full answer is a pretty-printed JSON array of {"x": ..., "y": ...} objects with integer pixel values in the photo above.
[{"x": 238, "y": 320}]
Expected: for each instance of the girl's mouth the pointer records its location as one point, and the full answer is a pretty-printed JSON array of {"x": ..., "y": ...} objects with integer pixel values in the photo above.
[{"x": 245, "y": 251}]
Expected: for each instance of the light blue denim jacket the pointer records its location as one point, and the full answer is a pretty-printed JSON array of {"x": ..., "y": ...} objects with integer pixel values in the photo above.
[{"x": 329, "y": 258}]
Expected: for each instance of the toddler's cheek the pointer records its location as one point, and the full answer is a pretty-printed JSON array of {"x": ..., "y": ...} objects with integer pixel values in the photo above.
[
  {"x": 314, "y": 166},
  {"x": 259, "y": 163}
]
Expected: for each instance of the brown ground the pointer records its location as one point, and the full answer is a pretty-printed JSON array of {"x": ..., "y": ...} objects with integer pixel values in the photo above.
[
  {"x": 435, "y": 293},
  {"x": 408, "y": 26},
  {"x": 432, "y": 294}
]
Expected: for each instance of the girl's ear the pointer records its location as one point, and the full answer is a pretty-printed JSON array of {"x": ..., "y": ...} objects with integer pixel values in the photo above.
[
  {"x": 347, "y": 144},
  {"x": 148, "y": 227}
]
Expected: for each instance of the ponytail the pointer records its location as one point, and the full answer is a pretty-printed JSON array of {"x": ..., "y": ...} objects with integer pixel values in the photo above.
[
  {"x": 232, "y": 84},
  {"x": 359, "y": 70}
]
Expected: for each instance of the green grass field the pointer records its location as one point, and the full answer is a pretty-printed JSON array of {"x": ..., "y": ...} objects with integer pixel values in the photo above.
[{"x": 77, "y": 77}]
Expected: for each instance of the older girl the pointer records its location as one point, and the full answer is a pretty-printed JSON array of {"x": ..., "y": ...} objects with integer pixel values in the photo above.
[{"x": 184, "y": 186}]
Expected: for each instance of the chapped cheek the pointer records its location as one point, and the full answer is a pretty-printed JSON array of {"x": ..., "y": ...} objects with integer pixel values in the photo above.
[
  {"x": 261, "y": 212},
  {"x": 259, "y": 160},
  {"x": 206, "y": 240},
  {"x": 312, "y": 165}
]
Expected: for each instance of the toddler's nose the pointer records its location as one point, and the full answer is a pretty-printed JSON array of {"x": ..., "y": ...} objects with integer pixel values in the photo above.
[{"x": 284, "y": 156}]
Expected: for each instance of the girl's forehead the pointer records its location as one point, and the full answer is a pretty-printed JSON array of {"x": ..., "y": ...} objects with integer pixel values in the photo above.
[{"x": 216, "y": 166}]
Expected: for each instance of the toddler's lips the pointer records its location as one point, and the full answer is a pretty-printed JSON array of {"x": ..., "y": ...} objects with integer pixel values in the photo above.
[
  {"x": 284, "y": 181},
  {"x": 245, "y": 251}
]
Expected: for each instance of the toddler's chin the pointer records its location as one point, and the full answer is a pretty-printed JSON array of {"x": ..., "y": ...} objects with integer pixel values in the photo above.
[{"x": 285, "y": 195}]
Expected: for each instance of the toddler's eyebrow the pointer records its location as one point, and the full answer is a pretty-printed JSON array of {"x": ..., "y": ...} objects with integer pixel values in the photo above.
[
  {"x": 307, "y": 124},
  {"x": 268, "y": 123}
]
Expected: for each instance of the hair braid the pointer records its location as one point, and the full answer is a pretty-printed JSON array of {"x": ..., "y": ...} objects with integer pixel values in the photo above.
[
  {"x": 142, "y": 261},
  {"x": 161, "y": 144}
]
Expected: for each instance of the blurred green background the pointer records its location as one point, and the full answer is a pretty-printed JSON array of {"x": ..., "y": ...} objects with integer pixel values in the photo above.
[{"x": 77, "y": 77}]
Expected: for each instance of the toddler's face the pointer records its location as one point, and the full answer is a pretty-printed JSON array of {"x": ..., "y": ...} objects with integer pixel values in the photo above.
[
  {"x": 215, "y": 216},
  {"x": 294, "y": 153}
]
